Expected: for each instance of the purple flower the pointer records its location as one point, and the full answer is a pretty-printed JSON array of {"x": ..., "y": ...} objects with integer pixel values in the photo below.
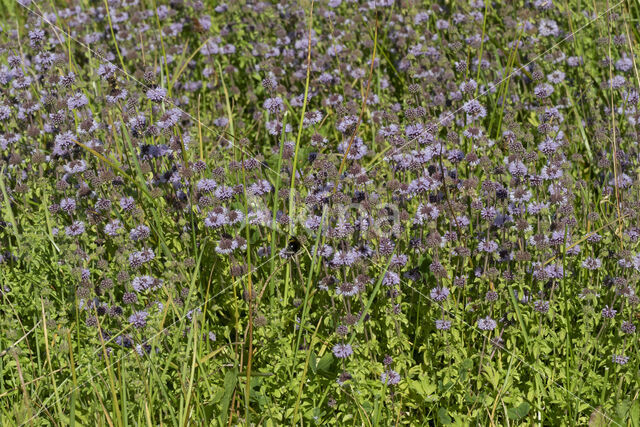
[
  {"x": 36, "y": 37},
  {"x": 117, "y": 95},
  {"x": 628, "y": 327},
  {"x": 77, "y": 101},
  {"x": 443, "y": 325},
  {"x": 487, "y": 324},
  {"x": 169, "y": 119},
  {"x": 274, "y": 127},
  {"x": 75, "y": 166},
  {"x": 143, "y": 283},
  {"x": 475, "y": 110},
  {"x": 617, "y": 82},
  {"x": 390, "y": 377},
  {"x": 63, "y": 143},
  {"x": 284, "y": 253},
  {"x": 548, "y": 27},
  {"x": 5, "y": 112},
  {"x": 441, "y": 24},
  {"x": 554, "y": 271},
  {"x": 390, "y": 279},
  {"x": 207, "y": 185},
  {"x": 224, "y": 193},
  {"x": 357, "y": 151},
  {"x": 517, "y": 168},
  {"x": 136, "y": 259},
  {"x": 129, "y": 298},
  {"x": 226, "y": 246},
  {"x": 488, "y": 246},
  {"x": 312, "y": 118},
  {"x": 347, "y": 123},
  {"x": 196, "y": 311},
  {"x": 113, "y": 227},
  {"x": 624, "y": 64},
  {"x": 609, "y": 312},
  {"x": 325, "y": 251},
  {"x": 139, "y": 319},
  {"x": 344, "y": 258},
  {"x": 234, "y": 217},
  {"x": 342, "y": 351},
  {"x": 106, "y": 70},
  {"x": 422, "y": 185},
  {"x": 313, "y": 222},
  {"x": 541, "y": 306},
  {"x": 141, "y": 232},
  {"x": 347, "y": 289},
  {"x": 556, "y": 77},
  {"x": 591, "y": 263},
  {"x": 260, "y": 188},
  {"x": 75, "y": 229},
  {"x": 68, "y": 205},
  {"x": 216, "y": 219},
  {"x": 439, "y": 294},
  {"x": 543, "y": 90},
  {"x": 399, "y": 260},
  {"x": 274, "y": 105},
  {"x": 575, "y": 61},
  {"x": 157, "y": 94},
  {"x": 425, "y": 213},
  {"x": 620, "y": 359},
  {"x": 127, "y": 203}
]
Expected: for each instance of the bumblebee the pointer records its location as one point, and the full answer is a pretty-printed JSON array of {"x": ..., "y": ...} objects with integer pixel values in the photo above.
[
  {"x": 113, "y": 84},
  {"x": 197, "y": 26},
  {"x": 293, "y": 246}
]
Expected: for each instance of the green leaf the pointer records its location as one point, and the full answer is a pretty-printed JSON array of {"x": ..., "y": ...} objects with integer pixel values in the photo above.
[
  {"x": 634, "y": 414},
  {"x": 313, "y": 361},
  {"x": 597, "y": 418},
  {"x": 467, "y": 364},
  {"x": 623, "y": 409},
  {"x": 519, "y": 412},
  {"x": 325, "y": 362},
  {"x": 230, "y": 381},
  {"x": 444, "y": 417}
]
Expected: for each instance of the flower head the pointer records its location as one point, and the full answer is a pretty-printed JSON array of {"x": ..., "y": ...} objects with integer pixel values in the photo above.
[{"x": 342, "y": 351}]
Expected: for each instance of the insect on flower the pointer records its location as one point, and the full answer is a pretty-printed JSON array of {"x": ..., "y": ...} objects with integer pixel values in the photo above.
[{"x": 293, "y": 247}]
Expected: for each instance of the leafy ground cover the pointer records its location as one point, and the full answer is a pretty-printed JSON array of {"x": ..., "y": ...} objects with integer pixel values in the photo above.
[{"x": 382, "y": 212}]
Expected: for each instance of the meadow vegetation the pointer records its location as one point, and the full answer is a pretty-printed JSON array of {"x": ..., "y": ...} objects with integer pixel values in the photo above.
[{"x": 333, "y": 212}]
